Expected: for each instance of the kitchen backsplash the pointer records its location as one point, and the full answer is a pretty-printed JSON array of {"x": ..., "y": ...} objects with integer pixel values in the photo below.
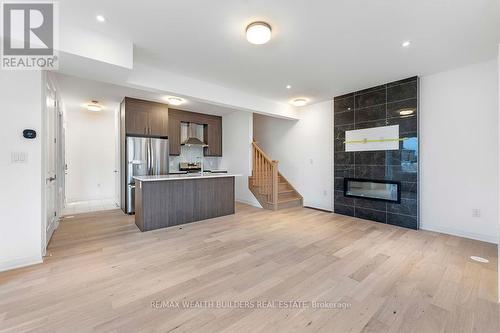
[{"x": 191, "y": 154}]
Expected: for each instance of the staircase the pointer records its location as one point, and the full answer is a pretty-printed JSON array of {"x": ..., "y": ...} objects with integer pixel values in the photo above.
[{"x": 268, "y": 185}]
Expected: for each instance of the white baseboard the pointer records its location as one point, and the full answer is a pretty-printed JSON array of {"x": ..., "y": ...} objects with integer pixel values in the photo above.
[
  {"x": 320, "y": 207},
  {"x": 460, "y": 233},
  {"x": 250, "y": 203},
  {"x": 18, "y": 263}
]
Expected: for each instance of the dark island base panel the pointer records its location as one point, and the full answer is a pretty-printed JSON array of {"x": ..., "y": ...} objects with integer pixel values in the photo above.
[{"x": 162, "y": 204}]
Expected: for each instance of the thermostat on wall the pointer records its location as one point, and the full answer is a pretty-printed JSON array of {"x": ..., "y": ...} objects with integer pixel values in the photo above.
[{"x": 29, "y": 134}]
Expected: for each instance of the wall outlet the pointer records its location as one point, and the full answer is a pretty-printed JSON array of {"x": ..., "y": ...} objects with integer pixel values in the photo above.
[{"x": 476, "y": 212}]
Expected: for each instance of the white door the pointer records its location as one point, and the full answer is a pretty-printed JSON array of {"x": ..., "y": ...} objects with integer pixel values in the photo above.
[
  {"x": 51, "y": 118},
  {"x": 117, "y": 159},
  {"x": 61, "y": 166}
]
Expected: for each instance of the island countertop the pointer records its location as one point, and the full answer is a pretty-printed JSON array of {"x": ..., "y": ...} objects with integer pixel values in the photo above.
[{"x": 184, "y": 176}]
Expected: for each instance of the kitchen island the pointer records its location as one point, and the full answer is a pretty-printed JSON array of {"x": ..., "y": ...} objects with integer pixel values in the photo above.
[{"x": 165, "y": 201}]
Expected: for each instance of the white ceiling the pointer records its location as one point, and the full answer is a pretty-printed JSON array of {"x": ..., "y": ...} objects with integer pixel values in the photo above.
[
  {"x": 77, "y": 92},
  {"x": 322, "y": 48}
]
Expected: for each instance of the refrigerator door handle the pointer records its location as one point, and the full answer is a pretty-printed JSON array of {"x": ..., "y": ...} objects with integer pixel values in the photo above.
[
  {"x": 148, "y": 154},
  {"x": 151, "y": 168}
]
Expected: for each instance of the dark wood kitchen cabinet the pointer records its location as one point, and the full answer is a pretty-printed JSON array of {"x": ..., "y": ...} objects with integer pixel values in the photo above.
[
  {"x": 174, "y": 131},
  {"x": 145, "y": 117},
  {"x": 212, "y": 131},
  {"x": 213, "y": 136}
]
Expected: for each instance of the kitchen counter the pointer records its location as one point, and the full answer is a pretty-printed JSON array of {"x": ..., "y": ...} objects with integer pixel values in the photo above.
[
  {"x": 184, "y": 176},
  {"x": 170, "y": 200}
]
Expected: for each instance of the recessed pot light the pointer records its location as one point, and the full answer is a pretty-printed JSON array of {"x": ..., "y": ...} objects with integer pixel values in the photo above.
[
  {"x": 406, "y": 112},
  {"x": 100, "y": 18},
  {"x": 258, "y": 33},
  {"x": 175, "y": 100},
  {"x": 300, "y": 101},
  {"x": 94, "y": 106},
  {"x": 406, "y": 43},
  {"x": 288, "y": 87}
]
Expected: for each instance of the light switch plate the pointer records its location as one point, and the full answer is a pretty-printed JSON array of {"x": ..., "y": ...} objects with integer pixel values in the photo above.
[{"x": 18, "y": 157}]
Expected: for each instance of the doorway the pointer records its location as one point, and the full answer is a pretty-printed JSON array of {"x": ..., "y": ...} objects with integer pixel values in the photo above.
[{"x": 53, "y": 120}]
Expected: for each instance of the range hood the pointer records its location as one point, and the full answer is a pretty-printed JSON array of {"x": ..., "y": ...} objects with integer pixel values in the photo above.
[{"x": 192, "y": 138}]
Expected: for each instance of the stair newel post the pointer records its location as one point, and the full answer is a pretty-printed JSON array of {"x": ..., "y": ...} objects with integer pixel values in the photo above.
[
  {"x": 253, "y": 164},
  {"x": 275, "y": 184},
  {"x": 259, "y": 170},
  {"x": 266, "y": 180},
  {"x": 257, "y": 161},
  {"x": 254, "y": 156},
  {"x": 269, "y": 180}
]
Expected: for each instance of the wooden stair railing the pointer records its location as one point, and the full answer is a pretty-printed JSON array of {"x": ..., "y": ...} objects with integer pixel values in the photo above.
[
  {"x": 268, "y": 185},
  {"x": 265, "y": 174}
]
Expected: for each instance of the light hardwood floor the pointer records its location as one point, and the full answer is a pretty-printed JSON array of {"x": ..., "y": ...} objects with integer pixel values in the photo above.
[{"x": 103, "y": 275}]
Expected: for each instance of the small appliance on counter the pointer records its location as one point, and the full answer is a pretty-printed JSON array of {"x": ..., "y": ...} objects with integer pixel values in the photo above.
[
  {"x": 190, "y": 167},
  {"x": 186, "y": 167}
]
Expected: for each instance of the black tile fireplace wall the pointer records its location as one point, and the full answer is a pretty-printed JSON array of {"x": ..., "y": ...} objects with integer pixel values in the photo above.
[{"x": 374, "y": 107}]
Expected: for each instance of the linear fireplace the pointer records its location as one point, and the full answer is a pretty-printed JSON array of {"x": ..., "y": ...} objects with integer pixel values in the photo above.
[
  {"x": 381, "y": 190},
  {"x": 362, "y": 151}
]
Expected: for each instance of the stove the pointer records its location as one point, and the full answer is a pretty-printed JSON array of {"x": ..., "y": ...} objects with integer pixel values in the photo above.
[{"x": 190, "y": 167}]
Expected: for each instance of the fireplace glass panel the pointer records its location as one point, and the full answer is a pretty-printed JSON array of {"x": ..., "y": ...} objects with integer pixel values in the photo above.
[{"x": 377, "y": 190}]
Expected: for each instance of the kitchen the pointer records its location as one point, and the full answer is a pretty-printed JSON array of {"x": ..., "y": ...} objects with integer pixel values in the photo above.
[
  {"x": 191, "y": 139},
  {"x": 156, "y": 186}
]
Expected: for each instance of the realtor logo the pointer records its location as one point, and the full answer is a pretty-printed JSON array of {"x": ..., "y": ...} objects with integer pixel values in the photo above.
[{"x": 29, "y": 35}]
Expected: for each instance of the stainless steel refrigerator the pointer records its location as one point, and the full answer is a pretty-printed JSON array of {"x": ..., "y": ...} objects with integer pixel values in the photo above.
[{"x": 145, "y": 157}]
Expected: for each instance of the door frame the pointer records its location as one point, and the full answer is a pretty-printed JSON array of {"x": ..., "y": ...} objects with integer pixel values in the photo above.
[
  {"x": 117, "y": 170},
  {"x": 51, "y": 95}
]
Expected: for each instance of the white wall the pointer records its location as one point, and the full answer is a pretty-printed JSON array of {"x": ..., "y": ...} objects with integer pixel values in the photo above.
[
  {"x": 90, "y": 154},
  {"x": 459, "y": 154},
  {"x": 21, "y": 195},
  {"x": 96, "y": 46},
  {"x": 498, "y": 286},
  {"x": 304, "y": 150},
  {"x": 237, "y": 136}
]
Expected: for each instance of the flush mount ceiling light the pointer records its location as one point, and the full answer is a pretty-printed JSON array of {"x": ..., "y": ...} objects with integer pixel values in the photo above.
[
  {"x": 100, "y": 18},
  {"x": 406, "y": 43},
  {"x": 174, "y": 100},
  {"x": 480, "y": 259},
  {"x": 94, "y": 106},
  {"x": 406, "y": 112},
  {"x": 258, "y": 33},
  {"x": 300, "y": 101}
]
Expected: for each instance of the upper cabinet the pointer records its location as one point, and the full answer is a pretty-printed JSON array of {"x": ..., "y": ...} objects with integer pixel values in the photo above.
[
  {"x": 213, "y": 136},
  {"x": 145, "y": 117},
  {"x": 174, "y": 131},
  {"x": 212, "y": 131}
]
